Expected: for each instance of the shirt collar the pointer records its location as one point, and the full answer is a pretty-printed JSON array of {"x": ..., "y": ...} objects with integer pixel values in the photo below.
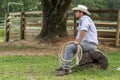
[{"x": 83, "y": 17}]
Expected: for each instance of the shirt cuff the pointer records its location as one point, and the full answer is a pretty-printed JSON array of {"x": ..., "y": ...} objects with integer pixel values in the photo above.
[{"x": 84, "y": 28}]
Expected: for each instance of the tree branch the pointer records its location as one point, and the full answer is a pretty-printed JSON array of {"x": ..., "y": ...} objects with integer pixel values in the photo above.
[
  {"x": 65, "y": 4},
  {"x": 62, "y": 5},
  {"x": 54, "y": 2},
  {"x": 47, "y": 4}
]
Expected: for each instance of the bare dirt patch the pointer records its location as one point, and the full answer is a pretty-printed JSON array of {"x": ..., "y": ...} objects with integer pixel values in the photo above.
[
  {"x": 32, "y": 47},
  {"x": 27, "y": 48}
]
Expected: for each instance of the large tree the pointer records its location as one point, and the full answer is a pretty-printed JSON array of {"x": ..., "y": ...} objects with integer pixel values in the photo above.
[{"x": 54, "y": 19}]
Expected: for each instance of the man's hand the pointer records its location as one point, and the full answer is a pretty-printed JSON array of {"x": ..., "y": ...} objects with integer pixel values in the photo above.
[
  {"x": 77, "y": 41},
  {"x": 83, "y": 33}
]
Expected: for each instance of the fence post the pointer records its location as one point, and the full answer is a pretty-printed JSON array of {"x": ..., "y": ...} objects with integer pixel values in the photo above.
[
  {"x": 22, "y": 26},
  {"x": 7, "y": 27},
  {"x": 118, "y": 29},
  {"x": 5, "y": 22},
  {"x": 75, "y": 25}
]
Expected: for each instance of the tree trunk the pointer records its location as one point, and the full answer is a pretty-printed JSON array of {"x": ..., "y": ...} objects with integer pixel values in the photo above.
[{"x": 54, "y": 19}]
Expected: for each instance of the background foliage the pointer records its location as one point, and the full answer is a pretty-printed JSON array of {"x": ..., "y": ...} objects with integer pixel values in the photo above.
[{"x": 36, "y": 5}]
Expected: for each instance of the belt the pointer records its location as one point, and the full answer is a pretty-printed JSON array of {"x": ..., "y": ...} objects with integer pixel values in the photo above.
[
  {"x": 90, "y": 42},
  {"x": 93, "y": 43}
]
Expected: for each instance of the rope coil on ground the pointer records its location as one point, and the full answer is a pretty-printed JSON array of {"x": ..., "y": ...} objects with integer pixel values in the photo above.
[{"x": 78, "y": 55}]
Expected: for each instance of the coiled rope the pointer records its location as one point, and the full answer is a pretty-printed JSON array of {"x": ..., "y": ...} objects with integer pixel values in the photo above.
[{"x": 78, "y": 55}]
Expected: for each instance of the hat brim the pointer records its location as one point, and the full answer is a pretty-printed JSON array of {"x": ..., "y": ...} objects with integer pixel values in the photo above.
[{"x": 80, "y": 9}]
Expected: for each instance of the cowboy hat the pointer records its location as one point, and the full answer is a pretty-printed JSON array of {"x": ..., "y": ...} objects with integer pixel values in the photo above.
[{"x": 82, "y": 8}]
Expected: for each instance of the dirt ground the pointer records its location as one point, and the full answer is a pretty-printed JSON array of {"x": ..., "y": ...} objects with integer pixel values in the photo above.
[{"x": 33, "y": 47}]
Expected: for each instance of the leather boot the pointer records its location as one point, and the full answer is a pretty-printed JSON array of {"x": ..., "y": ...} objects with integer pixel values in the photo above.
[
  {"x": 59, "y": 69},
  {"x": 64, "y": 72}
]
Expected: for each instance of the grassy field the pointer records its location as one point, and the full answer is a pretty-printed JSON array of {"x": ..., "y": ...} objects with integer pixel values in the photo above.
[
  {"x": 43, "y": 68},
  {"x": 1, "y": 35},
  {"x": 1, "y": 39}
]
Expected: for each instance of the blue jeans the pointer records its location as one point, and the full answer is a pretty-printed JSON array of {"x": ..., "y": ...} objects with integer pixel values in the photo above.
[{"x": 71, "y": 49}]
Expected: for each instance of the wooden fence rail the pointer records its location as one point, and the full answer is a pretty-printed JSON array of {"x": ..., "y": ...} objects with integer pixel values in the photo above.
[
  {"x": 108, "y": 26},
  {"x": 112, "y": 22}
]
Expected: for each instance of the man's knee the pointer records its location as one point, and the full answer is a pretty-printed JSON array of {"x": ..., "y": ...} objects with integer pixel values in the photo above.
[{"x": 71, "y": 46}]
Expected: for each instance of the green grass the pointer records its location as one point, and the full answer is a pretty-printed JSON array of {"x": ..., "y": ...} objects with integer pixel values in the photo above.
[
  {"x": 1, "y": 32},
  {"x": 1, "y": 39},
  {"x": 1, "y": 35},
  {"x": 43, "y": 68}
]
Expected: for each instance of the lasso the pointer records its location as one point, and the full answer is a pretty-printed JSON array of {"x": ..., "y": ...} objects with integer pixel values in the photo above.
[{"x": 78, "y": 55}]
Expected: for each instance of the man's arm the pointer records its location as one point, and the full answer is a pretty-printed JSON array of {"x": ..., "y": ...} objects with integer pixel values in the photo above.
[{"x": 82, "y": 34}]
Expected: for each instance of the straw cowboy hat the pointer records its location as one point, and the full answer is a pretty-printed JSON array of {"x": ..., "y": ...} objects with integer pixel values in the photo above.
[{"x": 82, "y": 8}]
